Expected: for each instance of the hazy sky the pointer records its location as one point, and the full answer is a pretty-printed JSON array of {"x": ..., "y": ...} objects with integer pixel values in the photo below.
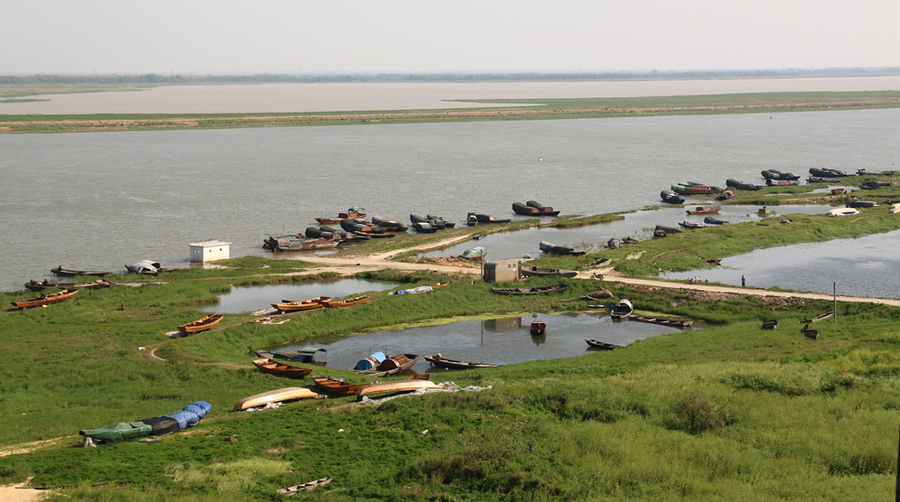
[{"x": 290, "y": 36}]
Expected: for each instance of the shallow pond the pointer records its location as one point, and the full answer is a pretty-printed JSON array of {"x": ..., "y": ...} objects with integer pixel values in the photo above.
[
  {"x": 251, "y": 298},
  {"x": 495, "y": 341},
  {"x": 866, "y": 266}
]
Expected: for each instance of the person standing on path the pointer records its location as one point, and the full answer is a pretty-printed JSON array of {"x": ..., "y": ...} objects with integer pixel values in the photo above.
[{"x": 743, "y": 281}]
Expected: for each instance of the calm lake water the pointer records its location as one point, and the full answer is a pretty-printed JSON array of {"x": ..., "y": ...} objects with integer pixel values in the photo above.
[
  {"x": 99, "y": 201},
  {"x": 494, "y": 341}
]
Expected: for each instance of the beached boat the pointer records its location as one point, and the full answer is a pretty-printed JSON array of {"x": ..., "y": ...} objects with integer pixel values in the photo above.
[
  {"x": 872, "y": 184},
  {"x": 33, "y": 285},
  {"x": 534, "y": 271},
  {"x": 843, "y": 211},
  {"x": 274, "y": 396},
  {"x": 276, "y": 368},
  {"x": 439, "y": 221},
  {"x": 709, "y": 220},
  {"x": 306, "y": 355},
  {"x": 335, "y": 386},
  {"x": 809, "y": 332},
  {"x": 383, "y": 388},
  {"x": 597, "y": 344},
  {"x": 820, "y": 317},
  {"x": 336, "y": 304},
  {"x": 692, "y": 225},
  {"x": 145, "y": 267},
  {"x": 781, "y": 183},
  {"x": 311, "y": 485},
  {"x": 669, "y": 230},
  {"x": 441, "y": 362},
  {"x": 294, "y": 243},
  {"x": 770, "y": 324},
  {"x": 558, "y": 288},
  {"x": 391, "y": 365},
  {"x": 622, "y": 309},
  {"x": 486, "y": 218},
  {"x": 311, "y": 304},
  {"x": 537, "y": 328},
  {"x": 439, "y": 284},
  {"x": 59, "y": 296},
  {"x": 154, "y": 426},
  {"x": 704, "y": 210},
  {"x": 863, "y": 203},
  {"x": 630, "y": 240},
  {"x": 549, "y": 248},
  {"x": 726, "y": 194},
  {"x": 64, "y": 272},
  {"x": 670, "y": 197},
  {"x": 665, "y": 321},
  {"x": 202, "y": 324},
  {"x": 825, "y": 172},
  {"x": 389, "y": 225},
  {"x": 532, "y": 208},
  {"x": 695, "y": 189},
  {"x": 740, "y": 185}
]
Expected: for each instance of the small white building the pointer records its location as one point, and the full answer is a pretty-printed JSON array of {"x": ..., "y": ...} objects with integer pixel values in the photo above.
[{"x": 205, "y": 251}]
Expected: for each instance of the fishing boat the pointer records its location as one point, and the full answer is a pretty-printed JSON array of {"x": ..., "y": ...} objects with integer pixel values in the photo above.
[
  {"x": 669, "y": 230},
  {"x": 441, "y": 362},
  {"x": 843, "y": 211},
  {"x": 704, "y": 210},
  {"x": 821, "y": 317},
  {"x": 33, "y": 285},
  {"x": 337, "y": 304},
  {"x": 558, "y": 288},
  {"x": 64, "y": 272},
  {"x": 202, "y": 324},
  {"x": 770, "y": 324},
  {"x": 486, "y": 218},
  {"x": 389, "y": 225},
  {"x": 597, "y": 344},
  {"x": 439, "y": 284},
  {"x": 862, "y": 203},
  {"x": 781, "y": 183},
  {"x": 709, "y": 220},
  {"x": 692, "y": 225},
  {"x": 391, "y": 365},
  {"x": 670, "y": 197},
  {"x": 816, "y": 179},
  {"x": 533, "y": 208},
  {"x": 276, "y": 368},
  {"x": 809, "y": 332},
  {"x": 695, "y": 189},
  {"x": 294, "y": 243},
  {"x": 622, "y": 309},
  {"x": 872, "y": 184},
  {"x": 534, "y": 271},
  {"x": 740, "y": 185},
  {"x": 825, "y": 172},
  {"x": 774, "y": 174},
  {"x": 311, "y": 304},
  {"x": 665, "y": 321},
  {"x": 154, "y": 426},
  {"x": 395, "y": 387},
  {"x": 145, "y": 267},
  {"x": 423, "y": 227},
  {"x": 59, "y": 296},
  {"x": 538, "y": 328},
  {"x": 549, "y": 248},
  {"x": 335, "y": 386},
  {"x": 476, "y": 253},
  {"x": 726, "y": 194},
  {"x": 274, "y": 396}
]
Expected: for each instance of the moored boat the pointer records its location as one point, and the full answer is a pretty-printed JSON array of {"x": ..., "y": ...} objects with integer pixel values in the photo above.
[
  {"x": 59, "y": 296},
  {"x": 335, "y": 386},
  {"x": 476, "y": 253},
  {"x": 695, "y": 189},
  {"x": 780, "y": 183},
  {"x": 486, "y": 218},
  {"x": 33, "y": 285},
  {"x": 537, "y": 328},
  {"x": 64, "y": 272},
  {"x": 547, "y": 247},
  {"x": 809, "y": 332},
  {"x": 740, "y": 185},
  {"x": 709, "y": 220},
  {"x": 622, "y": 309},
  {"x": 276, "y": 368},
  {"x": 391, "y": 365},
  {"x": 773, "y": 174},
  {"x": 202, "y": 324},
  {"x": 670, "y": 197},
  {"x": 692, "y": 225},
  {"x": 703, "y": 210},
  {"x": 669, "y": 230},
  {"x": 335, "y": 304},
  {"x": 532, "y": 208},
  {"x": 534, "y": 271},
  {"x": 441, "y": 362},
  {"x": 665, "y": 321},
  {"x": 597, "y": 344}
]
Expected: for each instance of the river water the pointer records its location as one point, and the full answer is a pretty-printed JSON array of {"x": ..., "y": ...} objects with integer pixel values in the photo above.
[{"x": 98, "y": 201}]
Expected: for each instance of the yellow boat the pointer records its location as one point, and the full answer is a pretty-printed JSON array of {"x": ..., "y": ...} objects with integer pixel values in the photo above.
[
  {"x": 394, "y": 387},
  {"x": 274, "y": 396}
]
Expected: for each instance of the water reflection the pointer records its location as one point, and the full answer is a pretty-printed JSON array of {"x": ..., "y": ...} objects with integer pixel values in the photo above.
[
  {"x": 250, "y": 298},
  {"x": 865, "y": 266},
  {"x": 496, "y": 341}
]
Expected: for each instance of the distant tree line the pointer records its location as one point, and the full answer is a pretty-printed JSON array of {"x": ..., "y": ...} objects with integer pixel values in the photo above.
[{"x": 153, "y": 78}]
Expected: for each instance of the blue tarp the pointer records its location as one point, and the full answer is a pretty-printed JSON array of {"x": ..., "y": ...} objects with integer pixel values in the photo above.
[{"x": 370, "y": 362}]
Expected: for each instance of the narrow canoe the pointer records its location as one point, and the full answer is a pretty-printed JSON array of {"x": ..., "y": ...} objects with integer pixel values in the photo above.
[
  {"x": 678, "y": 323},
  {"x": 203, "y": 324},
  {"x": 559, "y": 288},
  {"x": 334, "y": 304},
  {"x": 312, "y": 303},
  {"x": 441, "y": 362},
  {"x": 394, "y": 387},
  {"x": 274, "y": 396},
  {"x": 276, "y": 368},
  {"x": 597, "y": 344},
  {"x": 62, "y": 272},
  {"x": 59, "y": 296}
]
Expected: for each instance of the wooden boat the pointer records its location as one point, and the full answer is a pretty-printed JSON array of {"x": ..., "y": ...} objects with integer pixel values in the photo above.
[
  {"x": 837, "y": 191},
  {"x": 695, "y": 189},
  {"x": 423, "y": 227},
  {"x": 276, "y": 368},
  {"x": 726, "y": 194},
  {"x": 770, "y": 324},
  {"x": 665, "y": 321},
  {"x": 670, "y": 197},
  {"x": 538, "y": 328},
  {"x": 597, "y": 344},
  {"x": 63, "y": 272},
  {"x": 486, "y": 218},
  {"x": 826, "y": 172},
  {"x": 872, "y": 185},
  {"x": 33, "y": 285},
  {"x": 392, "y": 365},
  {"x": 395, "y": 387},
  {"x": 809, "y": 333},
  {"x": 843, "y": 211},
  {"x": 306, "y": 355},
  {"x": 59, "y": 296},
  {"x": 740, "y": 185},
  {"x": 630, "y": 240},
  {"x": 622, "y": 309},
  {"x": 780, "y": 183},
  {"x": 336, "y": 304},
  {"x": 312, "y": 303},
  {"x": 709, "y": 220},
  {"x": 549, "y": 248},
  {"x": 274, "y": 396},
  {"x": 335, "y": 386},
  {"x": 145, "y": 267},
  {"x": 533, "y": 271},
  {"x": 816, "y": 179},
  {"x": 669, "y": 230},
  {"x": 821, "y": 317},
  {"x": 389, "y": 225},
  {"x": 773, "y": 174},
  {"x": 692, "y": 225},
  {"x": 862, "y": 203},
  {"x": 311, "y": 485},
  {"x": 704, "y": 210},
  {"x": 533, "y": 208},
  {"x": 440, "y": 362},
  {"x": 286, "y": 244},
  {"x": 714, "y": 261},
  {"x": 558, "y": 288},
  {"x": 439, "y": 285},
  {"x": 203, "y": 324}
]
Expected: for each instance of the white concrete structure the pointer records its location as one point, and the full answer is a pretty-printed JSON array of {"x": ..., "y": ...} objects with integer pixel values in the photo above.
[{"x": 205, "y": 251}]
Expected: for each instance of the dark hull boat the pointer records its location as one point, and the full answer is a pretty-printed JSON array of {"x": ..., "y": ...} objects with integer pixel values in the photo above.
[
  {"x": 558, "y": 288},
  {"x": 63, "y": 272},
  {"x": 670, "y": 197},
  {"x": 546, "y": 272},
  {"x": 597, "y": 344},
  {"x": 772, "y": 174},
  {"x": 554, "y": 249},
  {"x": 439, "y": 361}
]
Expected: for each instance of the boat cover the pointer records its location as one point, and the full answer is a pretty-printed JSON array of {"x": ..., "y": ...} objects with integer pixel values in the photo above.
[
  {"x": 370, "y": 362},
  {"x": 473, "y": 253},
  {"x": 164, "y": 424}
]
